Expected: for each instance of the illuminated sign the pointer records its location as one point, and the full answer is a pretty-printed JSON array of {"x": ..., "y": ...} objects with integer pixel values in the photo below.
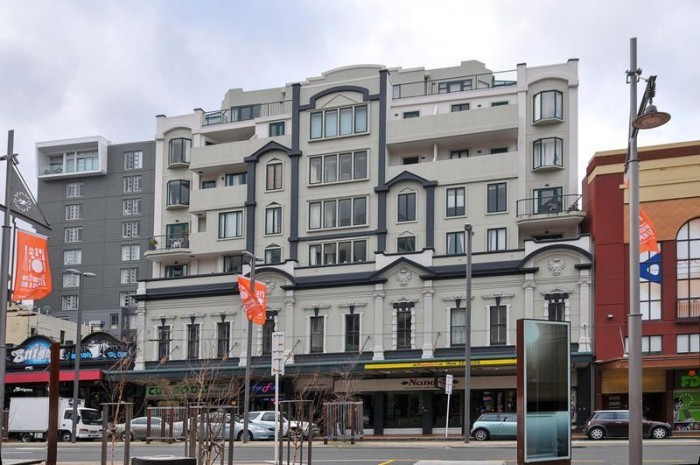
[
  {"x": 439, "y": 364},
  {"x": 95, "y": 347}
]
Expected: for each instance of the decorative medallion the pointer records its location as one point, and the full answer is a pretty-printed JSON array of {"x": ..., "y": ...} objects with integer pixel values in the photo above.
[
  {"x": 22, "y": 202},
  {"x": 403, "y": 276},
  {"x": 270, "y": 286},
  {"x": 556, "y": 265}
]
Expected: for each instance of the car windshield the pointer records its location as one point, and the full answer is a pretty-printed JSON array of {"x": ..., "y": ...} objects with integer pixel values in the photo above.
[{"x": 90, "y": 415}]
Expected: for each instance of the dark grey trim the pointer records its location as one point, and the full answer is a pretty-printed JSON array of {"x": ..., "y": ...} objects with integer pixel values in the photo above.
[
  {"x": 269, "y": 147},
  {"x": 294, "y": 200},
  {"x": 430, "y": 215},
  {"x": 366, "y": 96},
  {"x": 250, "y": 206},
  {"x": 381, "y": 160},
  {"x": 408, "y": 176}
]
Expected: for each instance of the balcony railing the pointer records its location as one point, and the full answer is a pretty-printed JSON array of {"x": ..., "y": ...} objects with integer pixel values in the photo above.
[
  {"x": 246, "y": 112},
  {"x": 169, "y": 242},
  {"x": 456, "y": 84},
  {"x": 688, "y": 309},
  {"x": 547, "y": 205}
]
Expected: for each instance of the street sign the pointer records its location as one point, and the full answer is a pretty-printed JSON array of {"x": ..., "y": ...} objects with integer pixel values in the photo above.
[
  {"x": 448, "y": 384},
  {"x": 277, "y": 362}
]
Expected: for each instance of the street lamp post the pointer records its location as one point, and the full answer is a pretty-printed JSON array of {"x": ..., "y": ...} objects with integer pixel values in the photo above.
[
  {"x": 249, "y": 346},
  {"x": 646, "y": 117},
  {"x": 468, "y": 333},
  {"x": 78, "y": 350}
]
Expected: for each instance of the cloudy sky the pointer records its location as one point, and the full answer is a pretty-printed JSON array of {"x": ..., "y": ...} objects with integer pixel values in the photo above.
[{"x": 79, "y": 68}]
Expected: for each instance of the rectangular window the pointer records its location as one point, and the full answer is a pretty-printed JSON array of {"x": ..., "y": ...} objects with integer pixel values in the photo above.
[
  {"x": 72, "y": 257},
  {"x": 330, "y": 123},
  {"x": 352, "y": 333},
  {"x": 175, "y": 271},
  {"x": 549, "y": 200},
  {"x": 246, "y": 112},
  {"x": 338, "y": 213},
  {"x": 315, "y": 255},
  {"x": 192, "y": 341},
  {"x": 403, "y": 330},
  {"x": 459, "y": 107},
  {"x": 113, "y": 320},
  {"x": 411, "y": 114},
  {"x": 455, "y": 243},
  {"x": 687, "y": 343},
  {"x": 454, "y": 86},
  {"x": 548, "y": 105},
  {"x": 456, "y": 201},
  {"x": 650, "y": 300},
  {"x": 500, "y": 103},
  {"x": 344, "y": 212},
  {"x": 230, "y": 224},
  {"x": 267, "y": 330},
  {"x": 69, "y": 302},
  {"x": 132, "y": 184},
  {"x": 273, "y": 254},
  {"x": 315, "y": 170},
  {"x": 330, "y": 168},
  {"x": 407, "y": 207},
  {"x": 223, "y": 339},
  {"x": 495, "y": 150},
  {"x": 276, "y": 129},
  {"x": 454, "y": 154},
  {"x": 133, "y": 160},
  {"x": 235, "y": 179},
  {"x": 338, "y": 167},
  {"x": 273, "y": 220},
  {"x": 317, "y": 323},
  {"x": 233, "y": 264},
  {"x": 339, "y": 121},
  {"x": 411, "y": 160},
  {"x": 650, "y": 344},
  {"x": 71, "y": 280},
  {"x": 345, "y": 121},
  {"x": 127, "y": 299},
  {"x": 129, "y": 275},
  {"x": 496, "y": 239},
  {"x": 209, "y": 184},
  {"x": 74, "y": 234},
  {"x": 359, "y": 251},
  {"x": 345, "y": 167},
  {"x": 163, "y": 342},
  {"x": 273, "y": 179},
  {"x": 330, "y": 253},
  {"x": 498, "y": 321},
  {"x": 131, "y": 207},
  {"x": 178, "y": 193},
  {"x": 330, "y": 213},
  {"x": 556, "y": 310},
  {"x": 496, "y": 197},
  {"x": 131, "y": 229},
  {"x": 74, "y": 190},
  {"x": 547, "y": 152},
  {"x": 406, "y": 244},
  {"x": 458, "y": 327},
  {"x": 131, "y": 252},
  {"x": 74, "y": 212},
  {"x": 316, "y": 125}
]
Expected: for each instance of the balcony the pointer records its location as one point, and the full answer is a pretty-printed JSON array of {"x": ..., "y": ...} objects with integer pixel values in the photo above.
[
  {"x": 246, "y": 113},
  {"x": 168, "y": 247},
  {"x": 213, "y": 158},
  {"x": 559, "y": 211},
  {"x": 455, "y": 84},
  {"x": 74, "y": 158},
  {"x": 688, "y": 311},
  {"x": 218, "y": 198}
]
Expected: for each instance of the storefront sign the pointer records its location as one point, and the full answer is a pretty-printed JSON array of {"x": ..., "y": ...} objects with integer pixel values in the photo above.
[
  {"x": 439, "y": 364},
  {"x": 95, "y": 347},
  {"x": 687, "y": 379}
]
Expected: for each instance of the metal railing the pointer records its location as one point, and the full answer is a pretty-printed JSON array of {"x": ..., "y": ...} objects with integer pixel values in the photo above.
[
  {"x": 688, "y": 309},
  {"x": 548, "y": 205},
  {"x": 455, "y": 84},
  {"x": 170, "y": 425},
  {"x": 343, "y": 421},
  {"x": 246, "y": 112},
  {"x": 169, "y": 241}
]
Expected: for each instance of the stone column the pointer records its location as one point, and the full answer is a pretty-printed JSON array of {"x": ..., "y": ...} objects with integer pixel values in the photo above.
[
  {"x": 140, "y": 323},
  {"x": 289, "y": 326},
  {"x": 428, "y": 292},
  {"x": 584, "y": 340},
  {"x": 529, "y": 286},
  {"x": 378, "y": 322}
]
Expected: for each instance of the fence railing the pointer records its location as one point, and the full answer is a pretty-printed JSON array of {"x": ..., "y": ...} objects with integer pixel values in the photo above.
[
  {"x": 343, "y": 421},
  {"x": 687, "y": 309},
  {"x": 169, "y": 241},
  {"x": 455, "y": 84},
  {"x": 246, "y": 112},
  {"x": 165, "y": 423},
  {"x": 547, "y": 205}
]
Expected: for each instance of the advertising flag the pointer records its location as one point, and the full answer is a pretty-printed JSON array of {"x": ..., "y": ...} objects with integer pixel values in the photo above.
[
  {"x": 647, "y": 234},
  {"x": 254, "y": 305},
  {"x": 32, "y": 273},
  {"x": 22, "y": 201}
]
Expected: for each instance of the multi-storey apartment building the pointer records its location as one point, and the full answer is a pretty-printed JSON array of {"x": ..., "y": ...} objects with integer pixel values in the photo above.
[
  {"x": 353, "y": 189},
  {"x": 669, "y": 280},
  {"x": 98, "y": 197}
]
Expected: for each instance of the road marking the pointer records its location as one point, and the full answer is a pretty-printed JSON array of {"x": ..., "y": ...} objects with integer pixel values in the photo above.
[{"x": 387, "y": 462}]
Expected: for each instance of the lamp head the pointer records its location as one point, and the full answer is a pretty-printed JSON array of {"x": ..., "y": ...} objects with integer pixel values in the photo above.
[{"x": 651, "y": 118}]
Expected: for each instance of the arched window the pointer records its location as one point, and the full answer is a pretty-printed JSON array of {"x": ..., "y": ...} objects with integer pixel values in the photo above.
[{"x": 688, "y": 270}]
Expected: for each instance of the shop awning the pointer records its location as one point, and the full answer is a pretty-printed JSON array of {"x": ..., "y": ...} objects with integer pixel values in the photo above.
[{"x": 23, "y": 377}]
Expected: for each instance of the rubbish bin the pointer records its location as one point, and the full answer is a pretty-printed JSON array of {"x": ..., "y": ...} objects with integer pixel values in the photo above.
[{"x": 163, "y": 460}]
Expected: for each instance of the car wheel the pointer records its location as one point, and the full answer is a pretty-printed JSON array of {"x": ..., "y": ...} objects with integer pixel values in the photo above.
[
  {"x": 26, "y": 437},
  {"x": 596, "y": 433},
  {"x": 123, "y": 436},
  {"x": 481, "y": 435},
  {"x": 250, "y": 436},
  {"x": 65, "y": 436},
  {"x": 659, "y": 433}
]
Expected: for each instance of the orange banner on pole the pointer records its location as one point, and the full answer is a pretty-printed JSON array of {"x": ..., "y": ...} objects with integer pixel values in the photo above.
[
  {"x": 647, "y": 234},
  {"x": 32, "y": 273},
  {"x": 254, "y": 306}
]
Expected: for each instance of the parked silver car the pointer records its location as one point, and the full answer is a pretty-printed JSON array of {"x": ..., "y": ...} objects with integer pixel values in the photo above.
[
  {"x": 139, "y": 429},
  {"x": 267, "y": 418}
]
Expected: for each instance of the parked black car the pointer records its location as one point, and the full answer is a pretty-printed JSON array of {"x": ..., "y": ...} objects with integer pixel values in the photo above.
[{"x": 615, "y": 424}]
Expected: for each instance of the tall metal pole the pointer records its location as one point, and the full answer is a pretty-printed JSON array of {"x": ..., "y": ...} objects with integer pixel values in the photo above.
[
  {"x": 468, "y": 335},
  {"x": 4, "y": 276},
  {"x": 77, "y": 351},
  {"x": 635, "y": 317},
  {"x": 249, "y": 347}
]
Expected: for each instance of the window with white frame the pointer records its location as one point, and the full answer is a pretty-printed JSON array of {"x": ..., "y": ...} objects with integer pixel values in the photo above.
[
  {"x": 273, "y": 254},
  {"x": 348, "y": 166},
  {"x": 556, "y": 306},
  {"x": 273, "y": 219},
  {"x": 276, "y": 129},
  {"x": 338, "y": 252},
  {"x": 131, "y": 207},
  {"x": 73, "y": 257},
  {"x": 209, "y": 184},
  {"x": 317, "y": 329},
  {"x": 456, "y": 201},
  {"x": 114, "y": 320},
  {"x": 71, "y": 280},
  {"x": 230, "y": 224},
  {"x": 459, "y": 107},
  {"x": 193, "y": 341},
  {"x": 69, "y": 302},
  {"x": 131, "y": 252},
  {"x": 650, "y": 344},
  {"x": 129, "y": 275},
  {"x": 496, "y": 239},
  {"x": 547, "y": 152},
  {"x": 688, "y": 270},
  {"x": 163, "y": 342},
  {"x": 74, "y": 190},
  {"x": 457, "y": 154},
  {"x": 458, "y": 327},
  {"x": 179, "y": 151},
  {"x": 236, "y": 179},
  {"x": 133, "y": 160},
  {"x": 498, "y": 315},
  {"x": 454, "y": 242},
  {"x": 127, "y": 299},
  {"x": 131, "y": 229},
  {"x": 649, "y": 294},
  {"x": 352, "y": 332},
  {"x": 548, "y": 105},
  {"x": 338, "y": 122},
  {"x": 178, "y": 192},
  {"x": 223, "y": 339},
  {"x": 496, "y": 197},
  {"x": 176, "y": 271},
  {"x": 233, "y": 264},
  {"x": 406, "y": 204},
  {"x": 273, "y": 176},
  {"x": 404, "y": 327},
  {"x": 687, "y": 343},
  {"x": 74, "y": 212},
  {"x": 335, "y": 213},
  {"x": 73, "y": 234},
  {"x": 132, "y": 184}
]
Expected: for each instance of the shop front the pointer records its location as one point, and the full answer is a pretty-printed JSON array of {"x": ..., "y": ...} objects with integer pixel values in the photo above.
[{"x": 686, "y": 400}]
